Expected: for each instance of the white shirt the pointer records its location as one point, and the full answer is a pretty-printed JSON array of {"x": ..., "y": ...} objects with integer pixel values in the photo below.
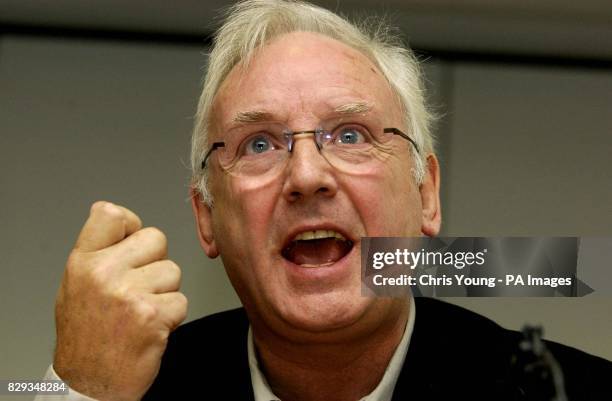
[
  {"x": 261, "y": 388},
  {"x": 72, "y": 395}
]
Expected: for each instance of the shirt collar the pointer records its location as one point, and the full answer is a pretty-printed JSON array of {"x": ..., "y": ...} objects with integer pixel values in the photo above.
[{"x": 382, "y": 392}]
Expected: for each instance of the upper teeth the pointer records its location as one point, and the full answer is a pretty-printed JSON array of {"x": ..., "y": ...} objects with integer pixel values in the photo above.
[{"x": 317, "y": 234}]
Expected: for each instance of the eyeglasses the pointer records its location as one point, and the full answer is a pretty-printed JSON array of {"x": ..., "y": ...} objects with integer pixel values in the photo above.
[{"x": 260, "y": 148}]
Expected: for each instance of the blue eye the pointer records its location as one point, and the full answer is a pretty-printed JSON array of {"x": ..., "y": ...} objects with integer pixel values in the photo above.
[
  {"x": 258, "y": 145},
  {"x": 350, "y": 136}
]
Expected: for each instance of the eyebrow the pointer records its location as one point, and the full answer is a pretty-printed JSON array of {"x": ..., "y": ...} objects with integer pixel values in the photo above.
[
  {"x": 353, "y": 108},
  {"x": 256, "y": 116}
]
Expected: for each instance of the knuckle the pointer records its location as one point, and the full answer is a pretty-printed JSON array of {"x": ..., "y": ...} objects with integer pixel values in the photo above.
[
  {"x": 146, "y": 312},
  {"x": 182, "y": 301},
  {"x": 97, "y": 206},
  {"x": 156, "y": 235},
  {"x": 97, "y": 279},
  {"x": 121, "y": 295},
  {"x": 112, "y": 212},
  {"x": 134, "y": 306},
  {"x": 173, "y": 269},
  {"x": 100, "y": 269},
  {"x": 108, "y": 210}
]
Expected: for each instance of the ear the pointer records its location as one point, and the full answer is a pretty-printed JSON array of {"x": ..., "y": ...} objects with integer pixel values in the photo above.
[
  {"x": 203, "y": 219},
  {"x": 430, "y": 198}
]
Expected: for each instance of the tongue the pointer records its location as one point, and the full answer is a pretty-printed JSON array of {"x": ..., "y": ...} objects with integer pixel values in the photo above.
[{"x": 317, "y": 252}]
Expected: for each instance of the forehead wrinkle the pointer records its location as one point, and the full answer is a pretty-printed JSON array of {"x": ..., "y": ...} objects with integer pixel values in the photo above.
[{"x": 255, "y": 116}]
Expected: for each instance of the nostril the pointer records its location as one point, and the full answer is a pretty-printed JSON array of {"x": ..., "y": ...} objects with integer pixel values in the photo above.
[{"x": 323, "y": 190}]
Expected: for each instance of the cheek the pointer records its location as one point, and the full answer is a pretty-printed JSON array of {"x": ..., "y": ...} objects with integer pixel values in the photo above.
[
  {"x": 388, "y": 201},
  {"x": 242, "y": 225},
  {"x": 246, "y": 208}
]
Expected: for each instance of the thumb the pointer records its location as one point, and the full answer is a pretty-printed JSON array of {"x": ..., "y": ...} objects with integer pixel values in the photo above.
[{"x": 107, "y": 224}]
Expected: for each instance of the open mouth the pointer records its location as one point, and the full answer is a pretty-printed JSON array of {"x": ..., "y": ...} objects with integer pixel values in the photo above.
[{"x": 317, "y": 248}]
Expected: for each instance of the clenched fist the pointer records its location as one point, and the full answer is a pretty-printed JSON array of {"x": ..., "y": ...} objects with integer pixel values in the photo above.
[{"x": 117, "y": 304}]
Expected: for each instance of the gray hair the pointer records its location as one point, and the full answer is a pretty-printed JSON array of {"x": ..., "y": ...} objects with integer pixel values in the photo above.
[{"x": 251, "y": 24}]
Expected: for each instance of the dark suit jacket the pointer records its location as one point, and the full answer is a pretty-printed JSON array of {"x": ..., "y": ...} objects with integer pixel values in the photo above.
[{"x": 454, "y": 354}]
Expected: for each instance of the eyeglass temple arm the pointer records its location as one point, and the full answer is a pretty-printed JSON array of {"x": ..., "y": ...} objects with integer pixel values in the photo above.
[
  {"x": 214, "y": 146},
  {"x": 396, "y": 131}
]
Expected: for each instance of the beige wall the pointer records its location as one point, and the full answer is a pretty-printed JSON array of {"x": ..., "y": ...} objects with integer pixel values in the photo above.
[
  {"x": 81, "y": 121},
  {"x": 527, "y": 151},
  {"x": 524, "y": 151}
]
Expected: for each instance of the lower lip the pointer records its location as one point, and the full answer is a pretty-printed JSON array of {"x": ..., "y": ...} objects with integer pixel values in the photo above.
[{"x": 335, "y": 272}]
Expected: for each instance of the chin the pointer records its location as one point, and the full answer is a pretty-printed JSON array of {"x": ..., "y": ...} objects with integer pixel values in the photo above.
[{"x": 324, "y": 313}]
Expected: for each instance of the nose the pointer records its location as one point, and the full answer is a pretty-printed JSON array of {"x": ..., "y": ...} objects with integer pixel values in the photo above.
[{"x": 308, "y": 173}]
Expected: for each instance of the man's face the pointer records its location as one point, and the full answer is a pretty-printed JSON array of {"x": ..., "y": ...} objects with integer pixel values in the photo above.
[{"x": 298, "y": 286}]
